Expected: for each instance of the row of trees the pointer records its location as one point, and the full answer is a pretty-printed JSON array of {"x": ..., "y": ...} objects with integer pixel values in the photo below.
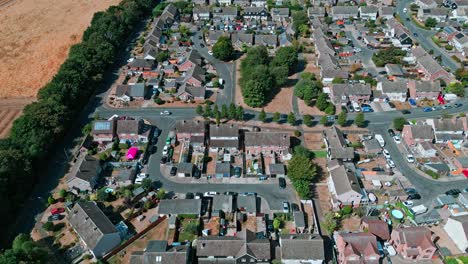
[
  {"x": 232, "y": 112},
  {"x": 262, "y": 75},
  {"x": 44, "y": 122}
]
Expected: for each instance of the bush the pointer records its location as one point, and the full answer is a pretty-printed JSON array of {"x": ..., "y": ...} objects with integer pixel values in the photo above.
[
  {"x": 48, "y": 226},
  {"x": 159, "y": 101},
  {"x": 346, "y": 210},
  {"x": 449, "y": 47},
  {"x": 297, "y": 133}
]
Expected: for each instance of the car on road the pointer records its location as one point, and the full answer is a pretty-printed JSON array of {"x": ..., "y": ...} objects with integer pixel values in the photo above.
[
  {"x": 465, "y": 190},
  {"x": 210, "y": 52},
  {"x": 189, "y": 195},
  {"x": 285, "y": 207},
  {"x": 397, "y": 139},
  {"x": 427, "y": 109},
  {"x": 406, "y": 112},
  {"x": 411, "y": 190},
  {"x": 140, "y": 177},
  {"x": 457, "y": 105},
  {"x": 210, "y": 194},
  {"x": 377, "y": 169},
  {"x": 202, "y": 45},
  {"x": 410, "y": 158},
  {"x": 390, "y": 249},
  {"x": 415, "y": 196},
  {"x": 165, "y": 150},
  {"x": 453, "y": 192},
  {"x": 249, "y": 194},
  {"x": 173, "y": 171},
  {"x": 386, "y": 153},
  {"x": 415, "y": 34},
  {"x": 405, "y": 10},
  {"x": 230, "y": 193},
  {"x": 408, "y": 203},
  {"x": 163, "y": 160},
  {"x": 408, "y": 19},
  {"x": 282, "y": 182},
  {"x": 165, "y": 112},
  {"x": 391, "y": 132},
  {"x": 447, "y": 106},
  {"x": 382, "y": 72},
  {"x": 56, "y": 211},
  {"x": 391, "y": 163}
]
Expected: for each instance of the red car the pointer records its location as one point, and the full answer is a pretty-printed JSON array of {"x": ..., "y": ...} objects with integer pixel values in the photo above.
[{"x": 56, "y": 211}]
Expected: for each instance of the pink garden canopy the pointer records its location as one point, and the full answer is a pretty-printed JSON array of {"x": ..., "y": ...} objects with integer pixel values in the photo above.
[{"x": 132, "y": 153}]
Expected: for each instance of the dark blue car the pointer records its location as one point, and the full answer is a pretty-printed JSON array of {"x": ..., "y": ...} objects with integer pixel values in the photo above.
[{"x": 427, "y": 109}]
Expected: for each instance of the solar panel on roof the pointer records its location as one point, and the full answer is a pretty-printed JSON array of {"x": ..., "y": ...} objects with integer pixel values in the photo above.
[{"x": 102, "y": 126}]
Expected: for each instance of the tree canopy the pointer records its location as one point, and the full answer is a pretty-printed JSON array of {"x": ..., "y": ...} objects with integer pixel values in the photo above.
[
  {"x": 302, "y": 171},
  {"x": 223, "y": 49}
]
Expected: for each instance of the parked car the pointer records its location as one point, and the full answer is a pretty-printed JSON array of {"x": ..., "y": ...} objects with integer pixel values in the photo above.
[
  {"x": 197, "y": 174},
  {"x": 163, "y": 159},
  {"x": 447, "y": 106},
  {"x": 453, "y": 192},
  {"x": 165, "y": 150},
  {"x": 411, "y": 190},
  {"x": 285, "y": 207},
  {"x": 282, "y": 182},
  {"x": 457, "y": 105},
  {"x": 390, "y": 249},
  {"x": 165, "y": 112},
  {"x": 427, "y": 109},
  {"x": 415, "y": 34},
  {"x": 391, "y": 132},
  {"x": 406, "y": 112},
  {"x": 391, "y": 163},
  {"x": 230, "y": 193},
  {"x": 173, "y": 171},
  {"x": 377, "y": 169},
  {"x": 56, "y": 211},
  {"x": 386, "y": 154},
  {"x": 210, "y": 194},
  {"x": 415, "y": 196},
  {"x": 382, "y": 72},
  {"x": 397, "y": 139},
  {"x": 52, "y": 218},
  {"x": 189, "y": 195},
  {"x": 410, "y": 158},
  {"x": 436, "y": 108},
  {"x": 408, "y": 203}
]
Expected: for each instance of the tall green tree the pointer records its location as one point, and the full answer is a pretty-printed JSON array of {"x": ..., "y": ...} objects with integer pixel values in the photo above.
[
  {"x": 240, "y": 113},
  {"x": 299, "y": 18},
  {"x": 223, "y": 49},
  {"x": 208, "y": 111},
  {"x": 360, "y": 120},
  {"x": 399, "y": 122},
  {"x": 291, "y": 119},
  {"x": 300, "y": 168},
  {"x": 308, "y": 120},
  {"x": 224, "y": 111},
  {"x": 286, "y": 56},
  {"x": 199, "y": 110},
  {"x": 322, "y": 102},
  {"x": 262, "y": 115},
  {"x": 232, "y": 111},
  {"x": 276, "y": 117},
  {"x": 342, "y": 118},
  {"x": 324, "y": 120}
]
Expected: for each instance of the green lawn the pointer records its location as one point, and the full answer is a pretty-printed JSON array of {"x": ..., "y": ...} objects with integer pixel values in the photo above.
[
  {"x": 189, "y": 230},
  {"x": 320, "y": 153}
]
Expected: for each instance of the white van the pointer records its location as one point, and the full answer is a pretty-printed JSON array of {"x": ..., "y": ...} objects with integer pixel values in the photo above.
[
  {"x": 380, "y": 140},
  {"x": 356, "y": 107}
]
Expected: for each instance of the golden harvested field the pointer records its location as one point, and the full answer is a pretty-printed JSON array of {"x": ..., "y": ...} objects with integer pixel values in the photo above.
[
  {"x": 35, "y": 38},
  {"x": 10, "y": 109}
]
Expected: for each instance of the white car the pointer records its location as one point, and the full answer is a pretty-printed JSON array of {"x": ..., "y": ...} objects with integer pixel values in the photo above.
[
  {"x": 390, "y": 249},
  {"x": 210, "y": 52},
  {"x": 388, "y": 184},
  {"x": 386, "y": 154},
  {"x": 410, "y": 158},
  {"x": 165, "y": 150},
  {"x": 405, "y": 10},
  {"x": 408, "y": 203},
  {"x": 391, "y": 163},
  {"x": 165, "y": 112},
  {"x": 210, "y": 194},
  {"x": 397, "y": 139},
  {"x": 285, "y": 207}
]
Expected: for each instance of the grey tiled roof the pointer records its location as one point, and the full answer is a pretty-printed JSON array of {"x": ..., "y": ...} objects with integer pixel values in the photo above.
[
  {"x": 180, "y": 206},
  {"x": 222, "y": 202},
  {"x": 223, "y": 167},
  {"x": 128, "y": 126},
  {"x": 346, "y": 10},
  {"x": 394, "y": 87},
  {"x": 265, "y": 139},
  {"x": 247, "y": 203},
  {"x": 90, "y": 223},
  {"x": 277, "y": 168},
  {"x": 344, "y": 181},
  {"x": 351, "y": 89},
  {"x": 224, "y": 130},
  {"x": 302, "y": 247},
  {"x": 337, "y": 144},
  {"x": 190, "y": 126},
  {"x": 448, "y": 125}
]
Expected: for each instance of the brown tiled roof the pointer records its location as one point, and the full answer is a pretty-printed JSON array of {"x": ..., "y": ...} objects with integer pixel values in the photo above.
[{"x": 377, "y": 227}]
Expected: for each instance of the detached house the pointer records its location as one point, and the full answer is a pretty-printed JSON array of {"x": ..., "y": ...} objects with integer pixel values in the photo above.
[
  {"x": 386, "y": 12},
  {"x": 103, "y": 130},
  {"x": 267, "y": 143},
  {"x": 424, "y": 89},
  {"x": 457, "y": 230},
  {"x": 448, "y": 130},
  {"x": 302, "y": 248},
  {"x": 344, "y": 93},
  {"x": 414, "y": 243},
  {"x": 344, "y": 12},
  {"x": 245, "y": 247},
  {"x": 439, "y": 14},
  {"x": 127, "y": 92},
  {"x": 188, "y": 92},
  {"x": 224, "y": 137},
  {"x": 394, "y": 91},
  {"x": 95, "y": 230},
  {"x": 343, "y": 186},
  {"x": 413, "y": 134},
  {"x": 336, "y": 145},
  {"x": 357, "y": 248},
  {"x": 132, "y": 130},
  {"x": 84, "y": 175}
]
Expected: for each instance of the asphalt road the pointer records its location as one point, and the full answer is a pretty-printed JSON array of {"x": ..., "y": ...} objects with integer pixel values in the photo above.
[
  {"x": 429, "y": 189},
  {"x": 424, "y": 36}
]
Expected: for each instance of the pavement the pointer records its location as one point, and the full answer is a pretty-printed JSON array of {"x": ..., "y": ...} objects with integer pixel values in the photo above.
[{"x": 424, "y": 36}]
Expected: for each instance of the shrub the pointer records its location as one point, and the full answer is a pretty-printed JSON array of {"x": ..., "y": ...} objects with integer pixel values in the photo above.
[{"x": 346, "y": 210}]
